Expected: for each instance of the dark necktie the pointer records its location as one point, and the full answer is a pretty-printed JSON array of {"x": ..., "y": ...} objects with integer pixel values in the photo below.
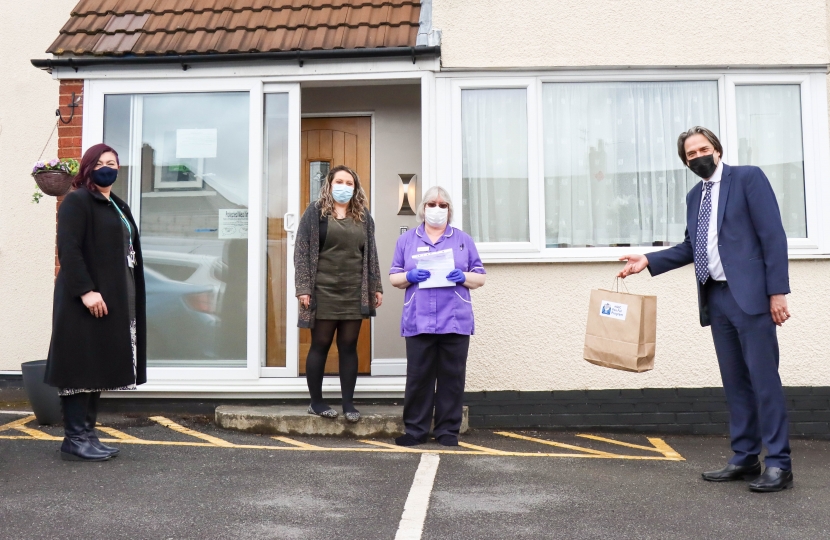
[{"x": 702, "y": 243}]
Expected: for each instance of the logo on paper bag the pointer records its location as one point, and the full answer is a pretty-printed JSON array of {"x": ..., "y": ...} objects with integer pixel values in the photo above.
[{"x": 613, "y": 310}]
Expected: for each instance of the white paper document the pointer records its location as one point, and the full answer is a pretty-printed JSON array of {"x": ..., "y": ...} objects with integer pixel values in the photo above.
[{"x": 439, "y": 264}]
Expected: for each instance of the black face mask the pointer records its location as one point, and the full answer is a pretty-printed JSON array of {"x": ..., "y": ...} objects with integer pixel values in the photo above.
[
  {"x": 105, "y": 176},
  {"x": 703, "y": 166}
]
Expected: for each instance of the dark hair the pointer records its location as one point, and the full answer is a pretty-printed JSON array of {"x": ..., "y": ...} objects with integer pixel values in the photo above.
[
  {"x": 358, "y": 206},
  {"x": 88, "y": 163},
  {"x": 697, "y": 130}
]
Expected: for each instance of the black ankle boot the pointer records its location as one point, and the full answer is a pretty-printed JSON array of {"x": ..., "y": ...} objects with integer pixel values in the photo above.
[
  {"x": 91, "y": 419},
  {"x": 76, "y": 445}
]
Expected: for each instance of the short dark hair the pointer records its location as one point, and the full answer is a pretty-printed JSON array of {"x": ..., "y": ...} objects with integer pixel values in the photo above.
[{"x": 697, "y": 130}]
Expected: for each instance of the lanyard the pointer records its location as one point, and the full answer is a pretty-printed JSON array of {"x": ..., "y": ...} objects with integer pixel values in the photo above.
[{"x": 131, "y": 255}]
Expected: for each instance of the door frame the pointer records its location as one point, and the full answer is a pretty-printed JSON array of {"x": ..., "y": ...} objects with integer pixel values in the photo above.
[
  {"x": 292, "y": 333},
  {"x": 371, "y": 116}
]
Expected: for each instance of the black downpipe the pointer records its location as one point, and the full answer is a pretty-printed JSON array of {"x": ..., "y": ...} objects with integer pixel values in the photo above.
[{"x": 185, "y": 60}]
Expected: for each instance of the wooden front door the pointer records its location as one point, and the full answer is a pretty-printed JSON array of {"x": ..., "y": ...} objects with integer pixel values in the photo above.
[{"x": 327, "y": 143}]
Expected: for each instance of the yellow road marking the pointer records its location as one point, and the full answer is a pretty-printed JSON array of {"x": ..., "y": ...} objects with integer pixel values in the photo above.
[
  {"x": 20, "y": 422},
  {"x": 659, "y": 445},
  {"x": 665, "y": 449},
  {"x": 216, "y": 441},
  {"x": 298, "y": 444},
  {"x": 119, "y": 435},
  {"x": 484, "y": 449},
  {"x": 559, "y": 445}
]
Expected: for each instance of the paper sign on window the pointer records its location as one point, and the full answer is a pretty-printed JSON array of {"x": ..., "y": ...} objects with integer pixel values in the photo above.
[
  {"x": 613, "y": 310},
  {"x": 195, "y": 143},
  {"x": 233, "y": 223}
]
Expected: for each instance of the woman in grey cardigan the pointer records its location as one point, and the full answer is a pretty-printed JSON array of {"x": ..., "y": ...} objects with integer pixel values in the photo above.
[{"x": 337, "y": 282}]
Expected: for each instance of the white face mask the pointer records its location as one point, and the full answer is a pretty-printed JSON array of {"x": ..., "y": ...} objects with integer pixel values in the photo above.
[{"x": 436, "y": 217}]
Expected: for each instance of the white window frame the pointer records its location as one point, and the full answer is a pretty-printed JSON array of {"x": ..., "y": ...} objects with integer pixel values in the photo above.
[
  {"x": 816, "y": 140},
  {"x": 534, "y": 217}
]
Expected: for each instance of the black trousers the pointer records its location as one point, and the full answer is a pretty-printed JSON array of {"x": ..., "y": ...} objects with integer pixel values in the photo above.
[{"x": 436, "y": 365}]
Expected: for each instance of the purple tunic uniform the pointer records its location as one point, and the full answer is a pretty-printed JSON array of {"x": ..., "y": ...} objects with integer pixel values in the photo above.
[{"x": 441, "y": 310}]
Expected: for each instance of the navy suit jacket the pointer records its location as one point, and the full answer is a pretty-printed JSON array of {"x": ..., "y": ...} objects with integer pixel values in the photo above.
[{"x": 751, "y": 241}]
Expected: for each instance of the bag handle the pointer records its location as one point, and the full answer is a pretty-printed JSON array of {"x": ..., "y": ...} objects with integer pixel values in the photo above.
[{"x": 616, "y": 286}]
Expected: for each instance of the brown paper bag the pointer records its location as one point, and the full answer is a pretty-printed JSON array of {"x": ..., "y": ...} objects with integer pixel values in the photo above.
[{"x": 621, "y": 331}]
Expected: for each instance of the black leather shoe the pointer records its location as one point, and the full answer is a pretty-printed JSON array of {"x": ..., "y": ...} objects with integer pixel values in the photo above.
[
  {"x": 408, "y": 440},
  {"x": 447, "y": 440},
  {"x": 76, "y": 445},
  {"x": 91, "y": 420},
  {"x": 773, "y": 479},
  {"x": 733, "y": 472}
]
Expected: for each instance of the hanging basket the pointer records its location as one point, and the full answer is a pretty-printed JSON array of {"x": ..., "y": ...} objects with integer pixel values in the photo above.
[{"x": 54, "y": 183}]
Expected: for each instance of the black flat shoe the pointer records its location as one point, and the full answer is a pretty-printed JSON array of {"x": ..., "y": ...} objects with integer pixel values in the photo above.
[
  {"x": 447, "y": 440},
  {"x": 328, "y": 413},
  {"x": 773, "y": 479},
  {"x": 733, "y": 472},
  {"x": 407, "y": 440}
]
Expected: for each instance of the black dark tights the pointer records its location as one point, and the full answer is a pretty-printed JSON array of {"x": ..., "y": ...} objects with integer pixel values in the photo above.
[{"x": 322, "y": 336}]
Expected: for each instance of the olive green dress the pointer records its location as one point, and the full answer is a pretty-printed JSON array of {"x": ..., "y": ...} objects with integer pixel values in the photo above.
[{"x": 340, "y": 271}]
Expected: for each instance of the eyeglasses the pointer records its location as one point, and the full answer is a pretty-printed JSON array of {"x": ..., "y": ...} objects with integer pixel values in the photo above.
[{"x": 442, "y": 206}]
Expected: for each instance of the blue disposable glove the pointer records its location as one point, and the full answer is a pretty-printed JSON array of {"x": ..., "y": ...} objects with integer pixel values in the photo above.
[
  {"x": 417, "y": 275},
  {"x": 457, "y": 276}
]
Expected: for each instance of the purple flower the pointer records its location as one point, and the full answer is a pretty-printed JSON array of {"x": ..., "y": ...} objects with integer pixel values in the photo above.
[{"x": 54, "y": 162}]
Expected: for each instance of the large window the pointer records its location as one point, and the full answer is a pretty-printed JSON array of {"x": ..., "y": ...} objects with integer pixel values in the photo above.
[
  {"x": 612, "y": 175},
  {"x": 495, "y": 180},
  {"x": 554, "y": 167},
  {"x": 770, "y": 137}
]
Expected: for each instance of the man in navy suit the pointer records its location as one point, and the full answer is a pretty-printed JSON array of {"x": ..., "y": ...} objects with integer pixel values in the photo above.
[{"x": 735, "y": 238}]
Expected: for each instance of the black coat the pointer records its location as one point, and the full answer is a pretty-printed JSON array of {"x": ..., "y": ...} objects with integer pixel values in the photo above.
[{"x": 90, "y": 352}]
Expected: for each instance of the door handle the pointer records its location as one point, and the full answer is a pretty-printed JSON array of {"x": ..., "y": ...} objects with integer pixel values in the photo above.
[{"x": 289, "y": 223}]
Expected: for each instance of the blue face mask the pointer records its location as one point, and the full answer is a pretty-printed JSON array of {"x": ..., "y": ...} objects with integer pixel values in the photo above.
[
  {"x": 105, "y": 176},
  {"x": 342, "y": 193}
]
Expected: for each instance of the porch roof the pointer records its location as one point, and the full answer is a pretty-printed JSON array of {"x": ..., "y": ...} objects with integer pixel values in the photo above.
[{"x": 147, "y": 28}]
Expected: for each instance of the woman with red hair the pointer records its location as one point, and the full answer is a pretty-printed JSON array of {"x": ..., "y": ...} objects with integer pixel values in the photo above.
[{"x": 98, "y": 320}]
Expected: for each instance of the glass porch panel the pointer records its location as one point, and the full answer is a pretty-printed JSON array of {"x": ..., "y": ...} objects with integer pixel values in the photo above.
[
  {"x": 770, "y": 137},
  {"x": 276, "y": 178},
  {"x": 117, "y": 135},
  {"x": 194, "y": 227}
]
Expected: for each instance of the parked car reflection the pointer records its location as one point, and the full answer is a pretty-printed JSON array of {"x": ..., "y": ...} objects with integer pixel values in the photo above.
[{"x": 183, "y": 296}]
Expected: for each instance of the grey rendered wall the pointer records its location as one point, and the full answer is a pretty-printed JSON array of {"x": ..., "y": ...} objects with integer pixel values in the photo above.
[{"x": 397, "y": 149}]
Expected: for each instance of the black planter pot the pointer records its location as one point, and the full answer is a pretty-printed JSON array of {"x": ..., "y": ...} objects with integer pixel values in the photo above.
[{"x": 44, "y": 398}]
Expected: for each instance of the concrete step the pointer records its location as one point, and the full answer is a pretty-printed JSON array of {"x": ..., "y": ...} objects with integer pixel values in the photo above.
[{"x": 375, "y": 421}]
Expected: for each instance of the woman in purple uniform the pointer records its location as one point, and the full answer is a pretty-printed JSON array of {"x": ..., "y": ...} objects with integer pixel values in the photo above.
[{"x": 437, "y": 320}]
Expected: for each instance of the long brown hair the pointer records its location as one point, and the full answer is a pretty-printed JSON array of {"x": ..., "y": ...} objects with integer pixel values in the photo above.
[
  {"x": 357, "y": 206},
  {"x": 88, "y": 163}
]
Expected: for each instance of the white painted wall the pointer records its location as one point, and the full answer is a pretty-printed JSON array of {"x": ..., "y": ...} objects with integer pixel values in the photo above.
[
  {"x": 545, "y": 33},
  {"x": 28, "y": 98},
  {"x": 530, "y": 329}
]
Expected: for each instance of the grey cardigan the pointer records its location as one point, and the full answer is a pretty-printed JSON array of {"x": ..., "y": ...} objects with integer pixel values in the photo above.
[{"x": 310, "y": 235}]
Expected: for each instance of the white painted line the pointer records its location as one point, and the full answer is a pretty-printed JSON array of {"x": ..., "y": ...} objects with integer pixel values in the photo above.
[
  {"x": 417, "y": 503},
  {"x": 21, "y": 413}
]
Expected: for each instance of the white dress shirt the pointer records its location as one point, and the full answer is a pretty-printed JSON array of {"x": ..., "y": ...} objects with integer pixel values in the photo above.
[{"x": 715, "y": 266}]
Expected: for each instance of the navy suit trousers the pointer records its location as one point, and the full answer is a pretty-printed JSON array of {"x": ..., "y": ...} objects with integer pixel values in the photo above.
[
  {"x": 747, "y": 350},
  {"x": 436, "y": 365}
]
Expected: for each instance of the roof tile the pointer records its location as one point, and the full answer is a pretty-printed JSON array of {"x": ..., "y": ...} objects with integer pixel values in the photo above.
[{"x": 151, "y": 27}]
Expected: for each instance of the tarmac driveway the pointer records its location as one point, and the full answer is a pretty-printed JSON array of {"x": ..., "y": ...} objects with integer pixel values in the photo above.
[{"x": 184, "y": 478}]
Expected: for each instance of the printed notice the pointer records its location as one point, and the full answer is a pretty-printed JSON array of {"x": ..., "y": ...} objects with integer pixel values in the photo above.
[
  {"x": 233, "y": 223},
  {"x": 195, "y": 143},
  {"x": 613, "y": 310},
  {"x": 439, "y": 264}
]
